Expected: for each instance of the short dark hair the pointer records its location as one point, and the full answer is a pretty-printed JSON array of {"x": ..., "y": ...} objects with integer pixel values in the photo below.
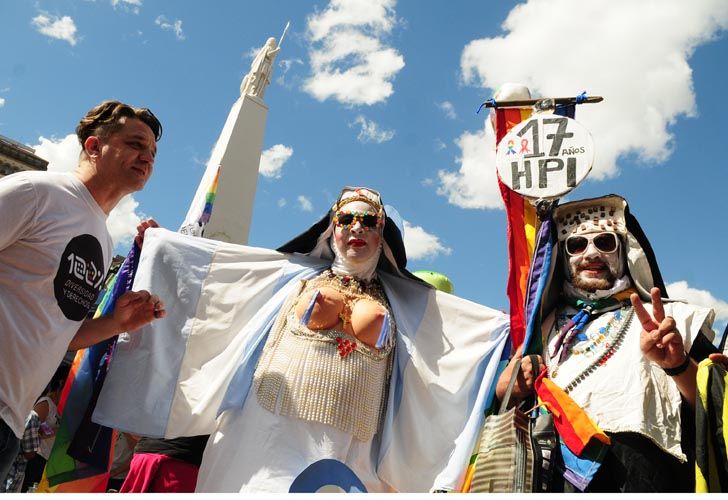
[{"x": 105, "y": 119}]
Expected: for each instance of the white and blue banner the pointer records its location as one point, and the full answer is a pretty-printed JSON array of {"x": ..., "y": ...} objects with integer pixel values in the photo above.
[{"x": 169, "y": 379}]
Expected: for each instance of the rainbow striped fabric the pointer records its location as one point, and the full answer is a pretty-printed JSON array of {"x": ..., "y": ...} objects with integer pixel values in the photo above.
[
  {"x": 209, "y": 200},
  {"x": 572, "y": 424},
  {"x": 82, "y": 452},
  {"x": 530, "y": 244},
  {"x": 521, "y": 235},
  {"x": 529, "y": 258}
]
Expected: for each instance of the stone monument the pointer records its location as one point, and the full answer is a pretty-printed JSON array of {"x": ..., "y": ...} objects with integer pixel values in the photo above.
[
  {"x": 222, "y": 208},
  {"x": 258, "y": 78}
]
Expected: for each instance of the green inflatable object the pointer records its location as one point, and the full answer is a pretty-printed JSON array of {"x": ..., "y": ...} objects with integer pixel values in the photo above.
[{"x": 438, "y": 280}]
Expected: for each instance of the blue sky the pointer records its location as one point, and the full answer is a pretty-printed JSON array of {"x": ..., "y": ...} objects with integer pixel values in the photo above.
[{"x": 402, "y": 119}]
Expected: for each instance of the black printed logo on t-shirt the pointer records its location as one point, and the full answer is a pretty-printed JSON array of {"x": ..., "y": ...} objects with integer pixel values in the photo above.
[{"x": 79, "y": 276}]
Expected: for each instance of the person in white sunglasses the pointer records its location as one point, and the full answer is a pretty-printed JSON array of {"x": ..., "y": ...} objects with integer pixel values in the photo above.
[{"x": 620, "y": 349}]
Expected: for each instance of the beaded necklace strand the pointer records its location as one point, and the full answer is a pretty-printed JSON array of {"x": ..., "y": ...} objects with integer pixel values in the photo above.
[{"x": 627, "y": 313}]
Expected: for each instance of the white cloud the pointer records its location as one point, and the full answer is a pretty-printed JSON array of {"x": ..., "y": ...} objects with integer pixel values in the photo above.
[
  {"x": 2, "y": 102},
  {"x": 61, "y": 28},
  {"x": 286, "y": 65},
  {"x": 634, "y": 54},
  {"x": 447, "y": 108},
  {"x": 370, "y": 131},
  {"x": 475, "y": 185},
  {"x": 439, "y": 145},
  {"x": 273, "y": 159},
  {"x": 128, "y": 5},
  {"x": 681, "y": 290},
  {"x": 282, "y": 202},
  {"x": 123, "y": 220},
  {"x": 349, "y": 60},
  {"x": 305, "y": 204},
  {"x": 420, "y": 244},
  {"x": 175, "y": 26},
  {"x": 62, "y": 155}
]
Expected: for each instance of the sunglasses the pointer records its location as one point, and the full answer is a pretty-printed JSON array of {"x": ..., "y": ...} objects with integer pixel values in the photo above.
[
  {"x": 348, "y": 219},
  {"x": 360, "y": 189},
  {"x": 604, "y": 242}
]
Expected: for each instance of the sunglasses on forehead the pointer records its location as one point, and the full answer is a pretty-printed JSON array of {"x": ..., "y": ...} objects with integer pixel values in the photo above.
[
  {"x": 348, "y": 219},
  {"x": 360, "y": 190},
  {"x": 366, "y": 195},
  {"x": 604, "y": 242}
]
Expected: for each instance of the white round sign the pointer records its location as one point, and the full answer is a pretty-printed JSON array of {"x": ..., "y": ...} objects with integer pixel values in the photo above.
[{"x": 545, "y": 156}]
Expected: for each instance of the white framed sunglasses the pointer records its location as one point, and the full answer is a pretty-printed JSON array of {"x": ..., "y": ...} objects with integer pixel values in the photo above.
[{"x": 606, "y": 242}]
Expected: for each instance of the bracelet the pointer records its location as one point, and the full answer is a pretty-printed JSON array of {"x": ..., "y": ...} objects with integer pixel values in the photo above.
[{"x": 672, "y": 372}]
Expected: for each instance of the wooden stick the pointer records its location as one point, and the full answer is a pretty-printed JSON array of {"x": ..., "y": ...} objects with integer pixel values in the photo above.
[
  {"x": 537, "y": 406},
  {"x": 530, "y": 102}
]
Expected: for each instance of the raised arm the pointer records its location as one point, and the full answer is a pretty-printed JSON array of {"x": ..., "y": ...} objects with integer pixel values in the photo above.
[{"x": 661, "y": 342}]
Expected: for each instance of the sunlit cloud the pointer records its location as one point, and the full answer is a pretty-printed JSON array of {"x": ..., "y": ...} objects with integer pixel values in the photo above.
[
  {"x": 305, "y": 204},
  {"x": 173, "y": 26},
  {"x": 681, "y": 290},
  {"x": 60, "y": 28},
  {"x": 273, "y": 159},
  {"x": 644, "y": 94},
  {"x": 420, "y": 244},
  {"x": 448, "y": 109},
  {"x": 370, "y": 131},
  {"x": 350, "y": 61},
  {"x": 132, "y": 6}
]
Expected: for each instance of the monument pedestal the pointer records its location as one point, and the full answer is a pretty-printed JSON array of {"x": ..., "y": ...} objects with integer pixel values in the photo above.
[{"x": 237, "y": 157}]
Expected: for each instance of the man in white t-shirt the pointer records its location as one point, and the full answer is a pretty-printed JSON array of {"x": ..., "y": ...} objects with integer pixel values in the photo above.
[
  {"x": 54, "y": 253},
  {"x": 620, "y": 349}
]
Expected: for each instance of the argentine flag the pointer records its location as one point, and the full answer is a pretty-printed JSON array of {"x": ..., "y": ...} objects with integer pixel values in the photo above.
[{"x": 175, "y": 376}]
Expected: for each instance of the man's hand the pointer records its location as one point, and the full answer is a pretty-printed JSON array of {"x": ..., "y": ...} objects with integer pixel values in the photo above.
[
  {"x": 662, "y": 343},
  {"x": 717, "y": 357},
  {"x": 659, "y": 340},
  {"x": 134, "y": 310},
  {"x": 524, "y": 381},
  {"x": 141, "y": 228}
]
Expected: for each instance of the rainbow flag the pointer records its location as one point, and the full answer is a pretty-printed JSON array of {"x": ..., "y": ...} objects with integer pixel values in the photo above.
[
  {"x": 209, "y": 200},
  {"x": 82, "y": 452},
  {"x": 572, "y": 423},
  {"x": 530, "y": 245},
  {"x": 521, "y": 224},
  {"x": 521, "y": 231}
]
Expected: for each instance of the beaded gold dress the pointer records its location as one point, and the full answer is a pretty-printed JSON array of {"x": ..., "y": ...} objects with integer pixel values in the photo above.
[{"x": 319, "y": 392}]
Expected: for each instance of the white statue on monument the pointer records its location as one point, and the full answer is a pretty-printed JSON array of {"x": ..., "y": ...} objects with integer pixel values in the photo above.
[
  {"x": 258, "y": 78},
  {"x": 222, "y": 208}
]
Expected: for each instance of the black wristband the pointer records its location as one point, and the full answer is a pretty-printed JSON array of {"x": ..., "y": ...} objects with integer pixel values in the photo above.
[{"x": 672, "y": 372}]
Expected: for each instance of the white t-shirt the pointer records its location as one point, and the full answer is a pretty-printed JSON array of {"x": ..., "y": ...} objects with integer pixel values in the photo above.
[{"x": 54, "y": 253}]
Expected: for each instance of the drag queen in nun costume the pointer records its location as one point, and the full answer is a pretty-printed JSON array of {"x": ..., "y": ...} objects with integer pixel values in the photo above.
[{"x": 344, "y": 372}]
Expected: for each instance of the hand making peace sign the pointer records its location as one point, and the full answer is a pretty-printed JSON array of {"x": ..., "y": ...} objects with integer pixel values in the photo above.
[{"x": 660, "y": 341}]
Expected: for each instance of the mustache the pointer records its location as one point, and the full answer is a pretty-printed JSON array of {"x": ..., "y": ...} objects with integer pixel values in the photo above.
[
  {"x": 587, "y": 264},
  {"x": 582, "y": 266}
]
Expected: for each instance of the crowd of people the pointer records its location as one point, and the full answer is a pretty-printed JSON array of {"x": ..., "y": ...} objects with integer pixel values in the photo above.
[{"x": 326, "y": 363}]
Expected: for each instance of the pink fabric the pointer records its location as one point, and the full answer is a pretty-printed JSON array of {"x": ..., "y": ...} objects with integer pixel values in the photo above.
[{"x": 154, "y": 473}]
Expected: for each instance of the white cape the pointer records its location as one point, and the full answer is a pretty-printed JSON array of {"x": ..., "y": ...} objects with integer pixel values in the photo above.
[{"x": 173, "y": 377}]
